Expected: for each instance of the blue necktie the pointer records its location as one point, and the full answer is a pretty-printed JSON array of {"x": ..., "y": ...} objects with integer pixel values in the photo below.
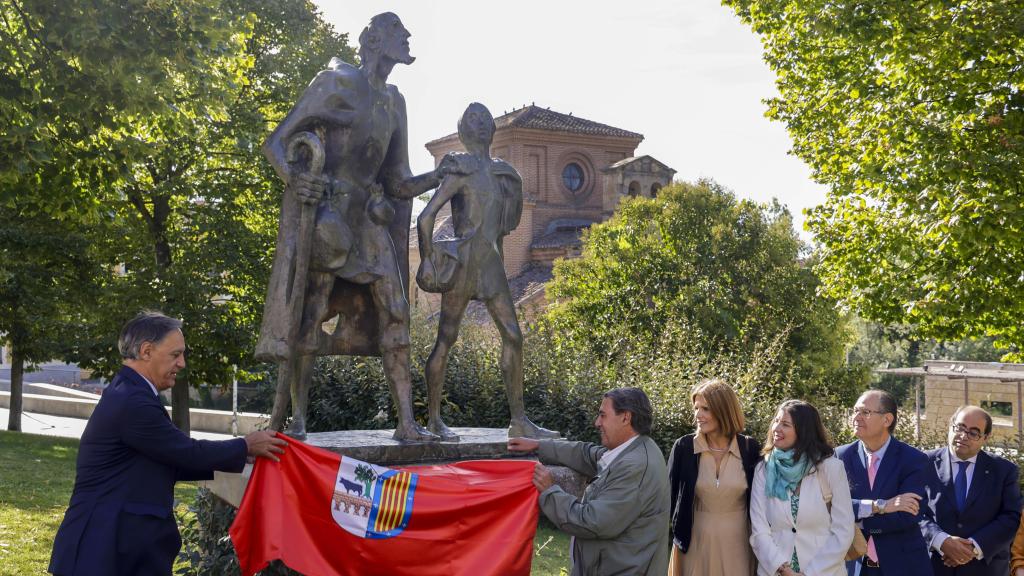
[{"x": 960, "y": 485}]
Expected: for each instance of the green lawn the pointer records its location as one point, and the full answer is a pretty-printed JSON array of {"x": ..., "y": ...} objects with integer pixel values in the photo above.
[
  {"x": 36, "y": 477},
  {"x": 550, "y": 552}
]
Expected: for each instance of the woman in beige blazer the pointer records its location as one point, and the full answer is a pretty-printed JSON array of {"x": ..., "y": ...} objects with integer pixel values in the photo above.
[{"x": 794, "y": 531}]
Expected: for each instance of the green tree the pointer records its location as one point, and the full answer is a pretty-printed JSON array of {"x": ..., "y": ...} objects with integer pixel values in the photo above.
[
  {"x": 91, "y": 89},
  {"x": 84, "y": 83},
  {"x": 45, "y": 278},
  {"x": 894, "y": 346},
  {"x": 366, "y": 475},
  {"x": 696, "y": 258},
  {"x": 192, "y": 205},
  {"x": 913, "y": 114}
]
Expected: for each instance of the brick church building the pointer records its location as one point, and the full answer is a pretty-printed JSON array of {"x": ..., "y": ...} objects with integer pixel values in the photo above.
[{"x": 574, "y": 173}]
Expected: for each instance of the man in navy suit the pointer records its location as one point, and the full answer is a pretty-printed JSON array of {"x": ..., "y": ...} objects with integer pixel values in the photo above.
[
  {"x": 120, "y": 519},
  {"x": 975, "y": 501},
  {"x": 887, "y": 480}
]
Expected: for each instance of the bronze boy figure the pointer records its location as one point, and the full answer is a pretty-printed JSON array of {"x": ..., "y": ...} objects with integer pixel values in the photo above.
[{"x": 486, "y": 196}]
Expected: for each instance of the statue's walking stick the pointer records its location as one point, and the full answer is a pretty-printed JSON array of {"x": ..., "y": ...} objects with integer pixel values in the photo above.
[{"x": 287, "y": 370}]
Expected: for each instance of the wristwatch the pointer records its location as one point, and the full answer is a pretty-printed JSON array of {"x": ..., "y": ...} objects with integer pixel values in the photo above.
[{"x": 878, "y": 506}]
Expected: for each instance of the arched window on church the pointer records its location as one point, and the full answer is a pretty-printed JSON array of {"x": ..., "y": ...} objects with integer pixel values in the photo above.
[
  {"x": 654, "y": 189},
  {"x": 634, "y": 189},
  {"x": 572, "y": 177}
]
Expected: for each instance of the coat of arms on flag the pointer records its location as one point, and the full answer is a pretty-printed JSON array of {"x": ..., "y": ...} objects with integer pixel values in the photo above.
[{"x": 372, "y": 501}]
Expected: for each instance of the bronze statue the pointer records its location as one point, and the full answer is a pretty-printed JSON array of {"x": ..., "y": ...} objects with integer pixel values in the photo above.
[
  {"x": 342, "y": 247},
  {"x": 486, "y": 196}
]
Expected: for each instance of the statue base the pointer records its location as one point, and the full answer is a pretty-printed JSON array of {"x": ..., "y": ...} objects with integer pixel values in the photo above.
[{"x": 378, "y": 447}]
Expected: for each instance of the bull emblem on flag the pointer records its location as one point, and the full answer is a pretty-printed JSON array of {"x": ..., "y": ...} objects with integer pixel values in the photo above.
[{"x": 372, "y": 501}]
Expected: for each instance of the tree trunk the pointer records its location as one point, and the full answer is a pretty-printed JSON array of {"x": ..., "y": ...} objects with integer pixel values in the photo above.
[
  {"x": 162, "y": 255},
  {"x": 179, "y": 403},
  {"x": 17, "y": 386}
]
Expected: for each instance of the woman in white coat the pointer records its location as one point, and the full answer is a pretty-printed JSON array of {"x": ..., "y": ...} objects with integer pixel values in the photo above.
[{"x": 794, "y": 531}]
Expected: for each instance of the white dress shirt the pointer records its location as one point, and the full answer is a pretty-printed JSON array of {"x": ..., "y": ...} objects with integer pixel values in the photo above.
[
  {"x": 864, "y": 506},
  {"x": 940, "y": 536},
  {"x": 151, "y": 387},
  {"x": 608, "y": 457}
]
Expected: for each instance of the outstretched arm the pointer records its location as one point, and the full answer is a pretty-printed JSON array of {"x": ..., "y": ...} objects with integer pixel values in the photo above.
[
  {"x": 149, "y": 432},
  {"x": 397, "y": 179},
  {"x": 606, "y": 516}
]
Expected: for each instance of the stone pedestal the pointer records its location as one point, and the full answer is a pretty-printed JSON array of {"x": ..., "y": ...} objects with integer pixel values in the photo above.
[{"x": 378, "y": 447}]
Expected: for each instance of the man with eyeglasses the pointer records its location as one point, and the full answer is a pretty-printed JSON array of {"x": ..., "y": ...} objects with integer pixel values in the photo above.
[
  {"x": 975, "y": 501},
  {"x": 887, "y": 479}
]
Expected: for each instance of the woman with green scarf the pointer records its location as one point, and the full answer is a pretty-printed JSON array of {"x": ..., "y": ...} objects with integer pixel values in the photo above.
[{"x": 794, "y": 530}]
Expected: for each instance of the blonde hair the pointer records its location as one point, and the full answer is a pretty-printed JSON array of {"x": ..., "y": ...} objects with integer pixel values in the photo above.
[{"x": 723, "y": 403}]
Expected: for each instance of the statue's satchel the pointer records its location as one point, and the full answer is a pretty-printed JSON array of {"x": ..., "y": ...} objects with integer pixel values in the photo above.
[
  {"x": 511, "y": 185},
  {"x": 332, "y": 237},
  {"x": 439, "y": 273}
]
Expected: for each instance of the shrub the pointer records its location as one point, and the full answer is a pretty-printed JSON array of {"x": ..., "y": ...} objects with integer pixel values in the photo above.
[
  {"x": 563, "y": 381},
  {"x": 206, "y": 547}
]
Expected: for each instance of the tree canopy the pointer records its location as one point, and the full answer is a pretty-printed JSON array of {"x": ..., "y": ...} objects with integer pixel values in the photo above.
[
  {"x": 140, "y": 123},
  {"x": 194, "y": 222},
  {"x": 913, "y": 114},
  {"x": 696, "y": 258},
  {"x": 84, "y": 83}
]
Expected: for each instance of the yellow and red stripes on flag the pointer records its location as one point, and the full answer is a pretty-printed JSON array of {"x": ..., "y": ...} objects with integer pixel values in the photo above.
[{"x": 393, "y": 497}]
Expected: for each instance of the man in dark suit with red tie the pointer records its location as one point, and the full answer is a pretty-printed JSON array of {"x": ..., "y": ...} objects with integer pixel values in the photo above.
[
  {"x": 887, "y": 481},
  {"x": 120, "y": 520},
  {"x": 975, "y": 500}
]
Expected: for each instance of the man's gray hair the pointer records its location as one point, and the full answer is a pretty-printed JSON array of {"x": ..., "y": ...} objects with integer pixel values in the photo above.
[
  {"x": 636, "y": 402},
  {"x": 147, "y": 326}
]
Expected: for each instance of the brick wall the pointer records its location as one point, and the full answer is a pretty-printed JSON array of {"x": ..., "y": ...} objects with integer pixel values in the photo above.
[{"x": 540, "y": 156}]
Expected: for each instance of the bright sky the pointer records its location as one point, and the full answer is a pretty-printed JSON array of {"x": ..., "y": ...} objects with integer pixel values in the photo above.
[{"x": 687, "y": 74}]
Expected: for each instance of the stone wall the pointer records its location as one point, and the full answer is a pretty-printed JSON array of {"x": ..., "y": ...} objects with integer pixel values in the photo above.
[{"x": 202, "y": 420}]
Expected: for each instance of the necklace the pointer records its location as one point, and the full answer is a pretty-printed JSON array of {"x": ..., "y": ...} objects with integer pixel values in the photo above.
[{"x": 718, "y": 462}]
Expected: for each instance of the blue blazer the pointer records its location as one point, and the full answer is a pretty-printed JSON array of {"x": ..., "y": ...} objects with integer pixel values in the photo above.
[
  {"x": 901, "y": 549},
  {"x": 120, "y": 518},
  {"x": 991, "y": 514}
]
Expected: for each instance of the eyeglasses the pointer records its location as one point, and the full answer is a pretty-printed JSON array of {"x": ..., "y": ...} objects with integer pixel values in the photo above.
[
  {"x": 865, "y": 412},
  {"x": 971, "y": 433}
]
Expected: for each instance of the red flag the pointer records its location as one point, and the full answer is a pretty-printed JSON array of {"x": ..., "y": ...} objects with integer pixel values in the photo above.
[{"x": 325, "y": 515}]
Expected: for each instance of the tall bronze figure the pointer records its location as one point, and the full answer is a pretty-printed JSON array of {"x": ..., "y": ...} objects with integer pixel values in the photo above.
[
  {"x": 486, "y": 196},
  {"x": 342, "y": 247}
]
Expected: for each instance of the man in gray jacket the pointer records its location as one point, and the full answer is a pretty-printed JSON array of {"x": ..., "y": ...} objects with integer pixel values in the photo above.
[{"x": 620, "y": 525}]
